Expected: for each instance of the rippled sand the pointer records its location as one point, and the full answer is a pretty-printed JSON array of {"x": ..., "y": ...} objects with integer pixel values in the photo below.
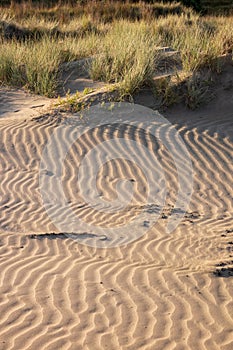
[{"x": 158, "y": 292}]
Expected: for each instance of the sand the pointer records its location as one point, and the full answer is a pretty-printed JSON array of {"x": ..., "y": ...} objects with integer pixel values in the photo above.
[
  {"x": 158, "y": 292},
  {"x": 19, "y": 103}
]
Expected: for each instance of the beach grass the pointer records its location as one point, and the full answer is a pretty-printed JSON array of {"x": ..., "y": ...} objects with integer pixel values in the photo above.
[
  {"x": 36, "y": 40},
  {"x": 126, "y": 56}
]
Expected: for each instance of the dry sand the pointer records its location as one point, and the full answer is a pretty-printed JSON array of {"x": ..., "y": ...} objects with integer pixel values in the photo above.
[
  {"x": 18, "y": 103},
  {"x": 158, "y": 292}
]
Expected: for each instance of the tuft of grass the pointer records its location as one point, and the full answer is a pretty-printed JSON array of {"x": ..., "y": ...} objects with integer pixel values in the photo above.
[
  {"x": 12, "y": 68},
  {"x": 126, "y": 57},
  {"x": 166, "y": 89},
  {"x": 197, "y": 91},
  {"x": 41, "y": 67},
  {"x": 31, "y": 65},
  {"x": 198, "y": 49},
  {"x": 71, "y": 103}
]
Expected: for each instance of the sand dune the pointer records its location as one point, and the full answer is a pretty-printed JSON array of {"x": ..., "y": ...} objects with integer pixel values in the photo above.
[{"x": 158, "y": 292}]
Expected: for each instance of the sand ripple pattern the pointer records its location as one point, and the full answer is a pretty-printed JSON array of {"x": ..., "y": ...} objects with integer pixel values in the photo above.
[
  {"x": 156, "y": 293},
  {"x": 116, "y": 165}
]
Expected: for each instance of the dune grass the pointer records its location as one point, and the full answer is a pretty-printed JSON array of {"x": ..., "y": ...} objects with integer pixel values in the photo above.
[
  {"x": 200, "y": 40},
  {"x": 126, "y": 56},
  {"x": 122, "y": 43},
  {"x": 99, "y": 11},
  {"x": 32, "y": 65}
]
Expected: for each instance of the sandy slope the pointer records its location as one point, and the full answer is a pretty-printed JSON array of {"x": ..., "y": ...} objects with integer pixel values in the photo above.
[
  {"x": 18, "y": 103},
  {"x": 158, "y": 292}
]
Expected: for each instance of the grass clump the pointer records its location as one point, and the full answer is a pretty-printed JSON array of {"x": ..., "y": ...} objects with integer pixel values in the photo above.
[
  {"x": 126, "y": 56},
  {"x": 71, "y": 103},
  {"x": 41, "y": 66},
  {"x": 166, "y": 90},
  {"x": 31, "y": 65},
  {"x": 198, "y": 49},
  {"x": 197, "y": 90}
]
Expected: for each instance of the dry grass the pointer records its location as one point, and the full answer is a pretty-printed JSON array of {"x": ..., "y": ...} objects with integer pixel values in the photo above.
[
  {"x": 126, "y": 56},
  {"x": 104, "y": 11},
  {"x": 32, "y": 65},
  {"x": 124, "y": 48}
]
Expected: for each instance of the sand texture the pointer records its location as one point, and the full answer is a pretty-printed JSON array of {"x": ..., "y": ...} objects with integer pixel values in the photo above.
[{"x": 156, "y": 293}]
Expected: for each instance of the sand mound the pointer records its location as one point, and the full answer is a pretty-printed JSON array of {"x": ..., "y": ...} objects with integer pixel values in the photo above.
[{"x": 158, "y": 292}]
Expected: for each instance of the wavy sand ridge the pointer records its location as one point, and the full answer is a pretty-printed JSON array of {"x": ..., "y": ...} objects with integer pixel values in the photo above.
[{"x": 155, "y": 293}]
